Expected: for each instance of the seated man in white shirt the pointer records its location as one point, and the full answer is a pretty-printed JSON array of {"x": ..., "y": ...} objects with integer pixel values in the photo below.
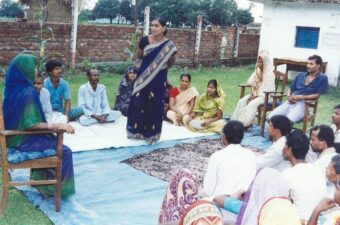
[
  {"x": 322, "y": 142},
  {"x": 44, "y": 95},
  {"x": 328, "y": 209},
  {"x": 92, "y": 99},
  {"x": 336, "y": 127},
  {"x": 233, "y": 168},
  {"x": 279, "y": 127},
  {"x": 306, "y": 182}
]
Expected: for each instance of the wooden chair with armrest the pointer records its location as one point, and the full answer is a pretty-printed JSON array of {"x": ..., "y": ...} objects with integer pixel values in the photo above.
[
  {"x": 280, "y": 85},
  {"x": 7, "y": 163}
]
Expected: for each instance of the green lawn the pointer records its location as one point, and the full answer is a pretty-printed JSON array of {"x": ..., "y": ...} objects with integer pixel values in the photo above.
[{"x": 20, "y": 211}]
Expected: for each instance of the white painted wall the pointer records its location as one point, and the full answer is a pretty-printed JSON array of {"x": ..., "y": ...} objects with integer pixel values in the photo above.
[{"x": 279, "y": 29}]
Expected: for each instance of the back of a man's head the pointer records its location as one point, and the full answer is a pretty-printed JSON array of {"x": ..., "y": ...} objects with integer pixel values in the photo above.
[
  {"x": 282, "y": 123},
  {"x": 233, "y": 131},
  {"x": 298, "y": 142},
  {"x": 336, "y": 163},
  {"x": 326, "y": 134}
]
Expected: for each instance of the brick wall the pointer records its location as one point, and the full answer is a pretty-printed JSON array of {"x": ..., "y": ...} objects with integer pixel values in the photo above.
[
  {"x": 56, "y": 11},
  {"x": 107, "y": 43}
]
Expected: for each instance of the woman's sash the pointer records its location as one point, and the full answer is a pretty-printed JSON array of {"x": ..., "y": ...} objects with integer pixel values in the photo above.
[
  {"x": 183, "y": 98},
  {"x": 154, "y": 59}
]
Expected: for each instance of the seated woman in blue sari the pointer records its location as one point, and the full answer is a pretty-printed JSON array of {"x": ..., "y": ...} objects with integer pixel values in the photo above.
[
  {"x": 156, "y": 54},
  {"x": 125, "y": 91},
  {"x": 23, "y": 111}
]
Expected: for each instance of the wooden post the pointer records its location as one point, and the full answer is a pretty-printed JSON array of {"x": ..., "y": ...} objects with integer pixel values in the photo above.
[
  {"x": 136, "y": 13},
  {"x": 198, "y": 39},
  {"x": 75, "y": 7},
  {"x": 146, "y": 21}
]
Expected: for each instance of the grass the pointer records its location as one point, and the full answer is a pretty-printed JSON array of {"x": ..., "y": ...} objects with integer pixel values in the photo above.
[{"x": 18, "y": 207}]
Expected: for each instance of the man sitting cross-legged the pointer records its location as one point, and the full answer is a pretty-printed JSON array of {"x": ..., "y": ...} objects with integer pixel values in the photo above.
[
  {"x": 306, "y": 182},
  {"x": 279, "y": 127},
  {"x": 307, "y": 85},
  {"x": 92, "y": 99}
]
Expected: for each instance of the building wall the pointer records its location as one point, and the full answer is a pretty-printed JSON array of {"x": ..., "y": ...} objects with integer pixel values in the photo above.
[
  {"x": 107, "y": 43},
  {"x": 56, "y": 11},
  {"x": 279, "y": 28}
]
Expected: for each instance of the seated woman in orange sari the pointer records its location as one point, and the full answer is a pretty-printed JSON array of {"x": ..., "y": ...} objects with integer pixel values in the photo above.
[
  {"x": 182, "y": 100},
  {"x": 208, "y": 112}
]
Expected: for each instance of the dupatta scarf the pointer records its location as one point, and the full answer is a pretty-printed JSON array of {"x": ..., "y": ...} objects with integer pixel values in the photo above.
[
  {"x": 208, "y": 105},
  {"x": 22, "y": 107}
]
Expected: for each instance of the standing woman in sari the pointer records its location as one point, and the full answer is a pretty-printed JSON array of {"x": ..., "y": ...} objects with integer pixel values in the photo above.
[
  {"x": 208, "y": 112},
  {"x": 182, "y": 100},
  {"x": 23, "y": 111},
  {"x": 156, "y": 54}
]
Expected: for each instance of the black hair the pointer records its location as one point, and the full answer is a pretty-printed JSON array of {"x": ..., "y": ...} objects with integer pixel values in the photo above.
[
  {"x": 337, "y": 107},
  {"x": 282, "y": 123},
  {"x": 186, "y": 75},
  {"x": 39, "y": 75},
  {"x": 162, "y": 23},
  {"x": 336, "y": 163},
  {"x": 213, "y": 82},
  {"x": 318, "y": 59},
  {"x": 88, "y": 71},
  {"x": 299, "y": 143},
  {"x": 325, "y": 134},
  {"x": 234, "y": 132},
  {"x": 50, "y": 65}
]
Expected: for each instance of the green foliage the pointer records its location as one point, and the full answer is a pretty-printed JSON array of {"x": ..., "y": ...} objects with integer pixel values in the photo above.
[
  {"x": 126, "y": 9},
  {"x": 84, "y": 16},
  {"x": 106, "y": 9},
  {"x": 243, "y": 16},
  {"x": 86, "y": 64},
  {"x": 8, "y": 8}
]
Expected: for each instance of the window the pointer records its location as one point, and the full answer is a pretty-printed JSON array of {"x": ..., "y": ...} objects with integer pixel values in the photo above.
[{"x": 307, "y": 37}]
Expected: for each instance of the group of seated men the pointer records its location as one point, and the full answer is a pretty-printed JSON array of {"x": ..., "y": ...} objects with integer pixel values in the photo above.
[{"x": 93, "y": 106}]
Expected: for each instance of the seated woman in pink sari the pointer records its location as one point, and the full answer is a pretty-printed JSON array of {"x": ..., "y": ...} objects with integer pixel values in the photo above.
[{"x": 182, "y": 100}]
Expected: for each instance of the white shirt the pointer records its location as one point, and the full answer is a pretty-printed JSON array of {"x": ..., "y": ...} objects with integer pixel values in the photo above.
[
  {"x": 44, "y": 96},
  {"x": 336, "y": 133},
  {"x": 93, "y": 102},
  {"x": 229, "y": 170},
  {"x": 273, "y": 157},
  {"x": 307, "y": 186}
]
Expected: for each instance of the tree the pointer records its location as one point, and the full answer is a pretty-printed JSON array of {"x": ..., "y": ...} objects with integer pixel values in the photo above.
[
  {"x": 8, "y": 8},
  {"x": 106, "y": 9},
  {"x": 84, "y": 16},
  {"x": 222, "y": 12},
  {"x": 244, "y": 16},
  {"x": 126, "y": 9}
]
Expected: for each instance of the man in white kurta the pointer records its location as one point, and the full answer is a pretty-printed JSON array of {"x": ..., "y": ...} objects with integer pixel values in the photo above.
[
  {"x": 44, "y": 95},
  {"x": 92, "y": 99},
  {"x": 306, "y": 182},
  {"x": 231, "y": 169},
  {"x": 279, "y": 127}
]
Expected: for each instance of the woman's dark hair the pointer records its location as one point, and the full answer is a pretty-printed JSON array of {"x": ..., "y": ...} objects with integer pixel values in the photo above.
[
  {"x": 234, "y": 132},
  {"x": 326, "y": 134},
  {"x": 162, "y": 23},
  {"x": 336, "y": 163},
  {"x": 282, "y": 123},
  {"x": 186, "y": 75},
  {"x": 299, "y": 144},
  {"x": 50, "y": 65},
  {"x": 213, "y": 82}
]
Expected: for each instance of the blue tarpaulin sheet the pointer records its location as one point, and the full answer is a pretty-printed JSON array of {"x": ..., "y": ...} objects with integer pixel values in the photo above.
[{"x": 110, "y": 192}]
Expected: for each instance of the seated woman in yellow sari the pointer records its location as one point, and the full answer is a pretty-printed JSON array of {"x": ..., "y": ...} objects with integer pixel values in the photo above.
[
  {"x": 208, "y": 112},
  {"x": 182, "y": 100}
]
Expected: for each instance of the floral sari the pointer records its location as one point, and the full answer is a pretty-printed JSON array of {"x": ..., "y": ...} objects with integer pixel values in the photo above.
[
  {"x": 22, "y": 110},
  {"x": 147, "y": 101}
]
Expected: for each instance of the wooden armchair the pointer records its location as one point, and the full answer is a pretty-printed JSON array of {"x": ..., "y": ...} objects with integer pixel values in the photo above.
[
  {"x": 54, "y": 160},
  {"x": 277, "y": 95}
]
